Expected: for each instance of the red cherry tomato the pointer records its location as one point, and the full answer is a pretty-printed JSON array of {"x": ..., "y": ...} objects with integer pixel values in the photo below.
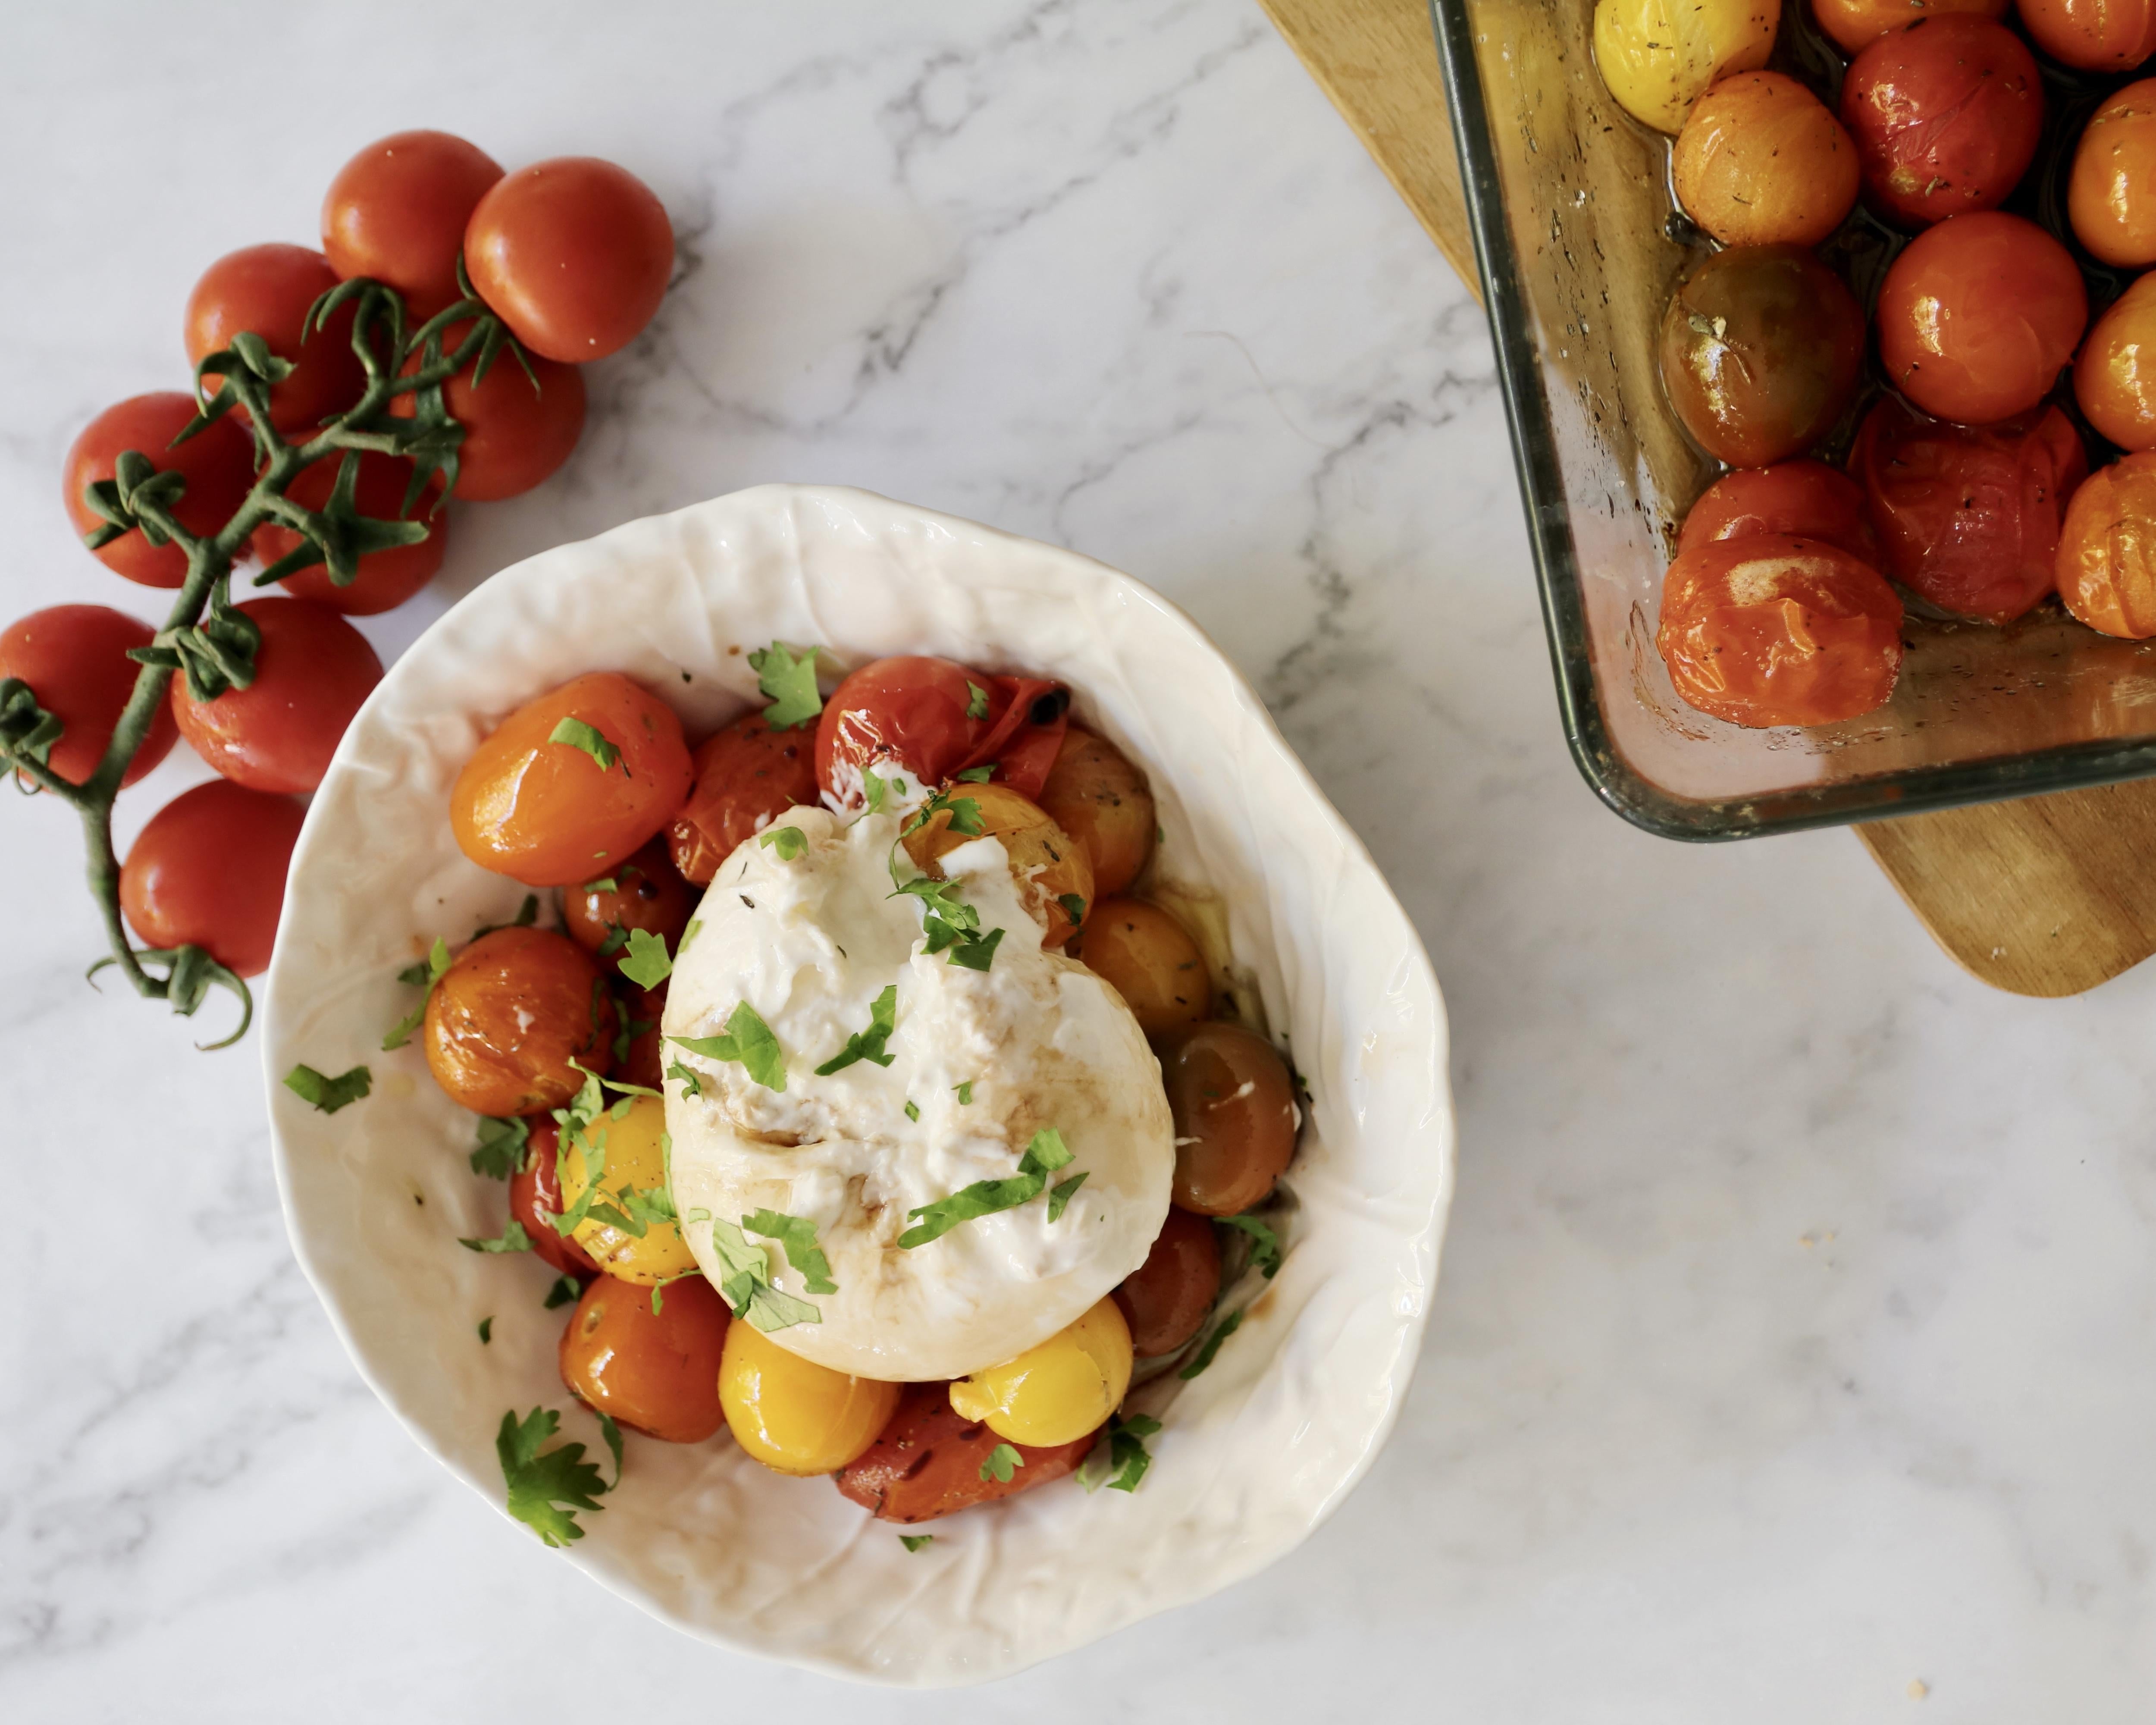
[
  {"x": 396, "y": 214},
  {"x": 74, "y": 658},
  {"x": 267, "y": 289},
  {"x": 643, "y": 1061},
  {"x": 1969, "y": 516},
  {"x": 516, "y": 434},
  {"x": 1777, "y": 631},
  {"x": 746, "y": 775},
  {"x": 535, "y": 1199},
  {"x": 574, "y": 253},
  {"x": 1946, "y": 114},
  {"x": 311, "y": 672},
  {"x": 1803, "y": 499},
  {"x": 217, "y": 463},
  {"x": 2095, "y": 35},
  {"x": 2107, "y": 549},
  {"x": 932, "y": 719},
  {"x": 386, "y": 578},
  {"x": 208, "y": 871},
  {"x": 1978, "y": 315},
  {"x": 1856, "y": 24}
]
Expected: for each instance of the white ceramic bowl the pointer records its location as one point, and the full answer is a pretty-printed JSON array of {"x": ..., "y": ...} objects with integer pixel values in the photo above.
[{"x": 1254, "y": 1453}]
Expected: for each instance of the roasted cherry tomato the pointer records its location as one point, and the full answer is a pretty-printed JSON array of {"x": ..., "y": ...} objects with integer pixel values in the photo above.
[
  {"x": 1856, "y": 24},
  {"x": 2115, "y": 377},
  {"x": 931, "y": 719},
  {"x": 2107, "y": 549},
  {"x": 269, "y": 288},
  {"x": 2111, "y": 197},
  {"x": 1058, "y": 1391},
  {"x": 643, "y": 1057},
  {"x": 1969, "y": 516},
  {"x": 208, "y": 871},
  {"x": 1165, "y": 1298},
  {"x": 313, "y": 671},
  {"x": 746, "y": 774},
  {"x": 1806, "y": 499},
  {"x": 1761, "y": 161},
  {"x": 1778, "y": 631},
  {"x": 534, "y": 1200},
  {"x": 930, "y": 1461},
  {"x": 551, "y": 814},
  {"x": 1978, "y": 315},
  {"x": 505, "y": 1023},
  {"x": 74, "y": 658},
  {"x": 1234, "y": 1104},
  {"x": 645, "y": 892},
  {"x": 519, "y": 426},
  {"x": 217, "y": 464},
  {"x": 1150, "y": 959},
  {"x": 573, "y": 254},
  {"x": 794, "y": 1416},
  {"x": 1946, "y": 114},
  {"x": 396, "y": 214},
  {"x": 1054, "y": 874},
  {"x": 1658, "y": 55},
  {"x": 655, "y": 1372},
  {"x": 1097, "y": 795},
  {"x": 2095, "y": 35},
  {"x": 1760, "y": 351},
  {"x": 386, "y": 578},
  {"x": 629, "y": 1140}
]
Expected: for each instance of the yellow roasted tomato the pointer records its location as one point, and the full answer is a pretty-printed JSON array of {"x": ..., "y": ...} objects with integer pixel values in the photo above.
[
  {"x": 1057, "y": 1392},
  {"x": 633, "y": 1150},
  {"x": 792, "y": 1414},
  {"x": 1055, "y": 874},
  {"x": 1657, "y": 56}
]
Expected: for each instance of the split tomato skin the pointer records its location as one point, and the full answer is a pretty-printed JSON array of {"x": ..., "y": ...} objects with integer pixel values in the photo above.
[
  {"x": 927, "y": 1461},
  {"x": 270, "y": 289},
  {"x": 386, "y": 578},
  {"x": 1803, "y": 499},
  {"x": 74, "y": 658},
  {"x": 313, "y": 672},
  {"x": 928, "y": 720},
  {"x": 2107, "y": 567},
  {"x": 217, "y": 463},
  {"x": 747, "y": 775},
  {"x": 396, "y": 213},
  {"x": 209, "y": 870}
]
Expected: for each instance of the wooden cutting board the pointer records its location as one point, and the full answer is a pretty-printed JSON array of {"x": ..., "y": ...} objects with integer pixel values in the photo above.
[{"x": 2048, "y": 895}]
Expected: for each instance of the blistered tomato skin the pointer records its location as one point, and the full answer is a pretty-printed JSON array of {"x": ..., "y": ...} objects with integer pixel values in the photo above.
[
  {"x": 1978, "y": 315},
  {"x": 74, "y": 658},
  {"x": 1096, "y": 794},
  {"x": 633, "y": 1148},
  {"x": 2107, "y": 549},
  {"x": 269, "y": 290},
  {"x": 209, "y": 870},
  {"x": 217, "y": 464},
  {"x": 386, "y": 578},
  {"x": 534, "y": 1200},
  {"x": 1049, "y": 864},
  {"x": 1967, "y": 516},
  {"x": 1058, "y": 1392},
  {"x": 654, "y": 1371},
  {"x": 1761, "y": 161},
  {"x": 512, "y": 1012},
  {"x": 646, "y": 892},
  {"x": 548, "y": 813},
  {"x": 1657, "y": 56},
  {"x": 313, "y": 671},
  {"x": 2095, "y": 35},
  {"x": 1806, "y": 499},
  {"x": 1946, "y": 114},
  {"x": 1853, "y": 25},
  {"x": 794, "y": 1416},
  {"x": 929, "y": 719},
  {"x": 1779, "y": 631},
  {"x": 2111, "y": 197},
  {"x": 1165, "y": 1298},
  {"x": 2115, "y": 377},
  {"x": 746, "y": 775},
  {"x": 1149, "y": 958},
  {"x": 1760, "y": 351},
  {"x": 1233, "y": 1105},
  {"x": 927, "y": 1462}
]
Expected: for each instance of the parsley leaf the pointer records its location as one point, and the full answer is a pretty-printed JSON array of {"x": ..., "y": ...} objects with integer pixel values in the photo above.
[
  {"x": 647, "y": 964},
  {"x": 872, "y": 791},
  {"x": 1127, "y": 1450},
  {"x": 327, "y": 1093},
  {"x": 796, "y": 1237},
  {"x": 868, "y": 1045},
  {"x": 790, "y": 842},
  {"x": 430, "y": 972},
  {"x": 748, "y": 1040},
  {"x": 977, "y": 954},
  {"x": 788, "y": 684},
  {"x": 605, "y": 883},
  {"x": 1265, "y": 1243},
  {"x": 538, "y": 1483},
  {"x": 1203, "y": 1358},
  {"x": 977, "y": 707},
  {"x": 1074, "y": 907},
  {"x": 578, "y": 734},
  {"x": 688, "y": 934},
  {"x": 690, "y": 1086},
  {"x": 950, "y": 924},
  {"x": 511, "y": 1239},
  {"x": 501, "y": 1147},
  {"x": 979, "y": 775},
  {"x": 916, "y": 1541},
  {"x": 965, "y": 1093},
  {"x": 1062, "y": 1195},
  {"x": 912, "y": 1109},
  {"x": 616, "y": 938},
  {"x": 486, "y": 1330},
  {"x": 1003, "y": 1462},
  {"x": 1046, "y": 1153},
  {"x": 659, "y": 1288},
  {"x": 748, "y": 1288},
  {"x": 566, "y": 1291},
  {"x": 527, "y": 913}
]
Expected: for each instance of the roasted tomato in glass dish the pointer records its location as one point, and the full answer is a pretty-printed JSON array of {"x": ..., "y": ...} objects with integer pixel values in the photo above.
[
  {"x": 2111, "y": 197},
  {"x": 1856, "y": 24},
  {"x": 928, "y": 720},
  {"x": 2107, "y": 549},
  {"x": 1968, "y": 517},
  {"x": 1760, "y": 351},
  {"x": 1658, "y": 55},
  {"x": 747, "y": 773},
  {"x": 2095, "y": 35},
  {"x": 1761, "y": 161},
  {"x": 2115, "y": 377},
  {"x": 1779, "y": 631},
  {"x": 1803, "y": 499}
]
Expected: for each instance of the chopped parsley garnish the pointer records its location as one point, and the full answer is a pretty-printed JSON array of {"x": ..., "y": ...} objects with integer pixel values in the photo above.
[
  {"x": 427, "y": 973},
  {"x": 748, "y": 1288},
  {"x": 501, "y": 1147},
  {"x": 1046, "y": 1153},
  {"x": 1265, "y": 1243},
  {"x": 605, "y": 883},
  {"x": 615, "y": 939},
  {"x": 1074, "y": 907},
  {"x": 790, "y": 842},
  {"x": 916, "y": 1541},
  {"x": 749, "y": 1040},
  {"x": 690, "y": 1087},
  {"x": 977, "y": 705},
  {"x": 1127, "y": 1450},
  {"x": 327, "y": 1093},
  {"x": 1003, "y": 1462},
  {"x": 578, "y": 734},
  {"x": 539, "y": 1485},
  {"x": 688, "y": 934},
  {"x": 486, "y": 1330},
  {"x": 912, "y": 1109},
  {"x": 797, "y": 1238},
  {"x": 873, "y": 790},
  {"x": 647, "y": 964},
  {"x": 964, "y": 812},
  {"x": 1203, "y": 1358},
  {"x": 566, "y": 1291},
  {"x": 979, "y": 775},
  {"x": 511, "y": 1239},
  {"x": 659, "y": 1288},
  {"x": 788, "y": 684},
  {"x": 630, "y": 1030},
  {"x": 965, "y": 1093},
  {"x": 527, "y": 913},
  {"x": 868, "y": 1045},
  {"x": 951, "y": 924},
  {"x": 1062, "y": 1195}
]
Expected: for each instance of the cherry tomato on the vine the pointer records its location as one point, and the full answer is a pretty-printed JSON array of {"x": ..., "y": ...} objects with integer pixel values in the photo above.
[
  {"x": 217, "y": 463},
  {"x": 929, "y": 719},
  {"x": 573, "y": 254},
  {"x": 2111, "y": 197},
  {"x": 313, "y": 671},
  {"x": 517, "y": 432},
  {"x": 74, "y": 658},
  {"x": 267, "y": 289},
  {"x": 396, "y": 214},
  {"x": 386, "y": 578},
  {"x": 1805, "y": 499},
  {"x": 209, "y": 870}
]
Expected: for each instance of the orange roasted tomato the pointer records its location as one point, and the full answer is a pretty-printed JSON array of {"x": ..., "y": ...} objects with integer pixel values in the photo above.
[
  {"x": 1761, "y": 161},
  {"x": 655, "y": 1372},
  {"x": 2107, "y": 549},
  {"x": 1856, "y": 24},
  {"x": 1098, "y": 795},
  {"x": 2095, "y": 35},
  {"x": 1234, "y": 1106},
  {"x": 1165, "y": 1298},
  {"x": 1779, "y": 631},
  {"x": 1147, "y": 957},
  {"x": 2111, "y": 199},
  {"x": 508, "y": 1016},
  {"x": 747, "y": 773},
  {"x": 1806, "y": 499},
  {"x": 645, "y": 892},
  {"x": 571, "y": 783},
  {"x": 929, "y": 1460},
  {"x": 1055, "y": 874},
  {"x": 2115, "y": 377}
]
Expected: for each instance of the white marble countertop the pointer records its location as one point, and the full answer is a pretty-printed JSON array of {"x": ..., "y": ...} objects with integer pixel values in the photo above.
[{"x": 1792, "y": 1358}]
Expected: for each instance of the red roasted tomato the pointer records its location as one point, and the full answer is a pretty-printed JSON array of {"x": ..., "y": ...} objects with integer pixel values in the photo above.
[
  {"x": 931, "y": 719},
  {"x": 1805, "y": 499},
  {"x": 535, "y": 1199},
  {"x": 928, "y": 1462}
]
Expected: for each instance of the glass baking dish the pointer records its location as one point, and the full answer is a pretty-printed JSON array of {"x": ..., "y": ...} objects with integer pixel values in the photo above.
[{"x": 1570, "y": 203}]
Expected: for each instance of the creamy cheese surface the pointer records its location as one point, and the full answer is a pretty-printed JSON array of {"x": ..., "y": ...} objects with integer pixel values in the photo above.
[{"x": 810, "y": 944}]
